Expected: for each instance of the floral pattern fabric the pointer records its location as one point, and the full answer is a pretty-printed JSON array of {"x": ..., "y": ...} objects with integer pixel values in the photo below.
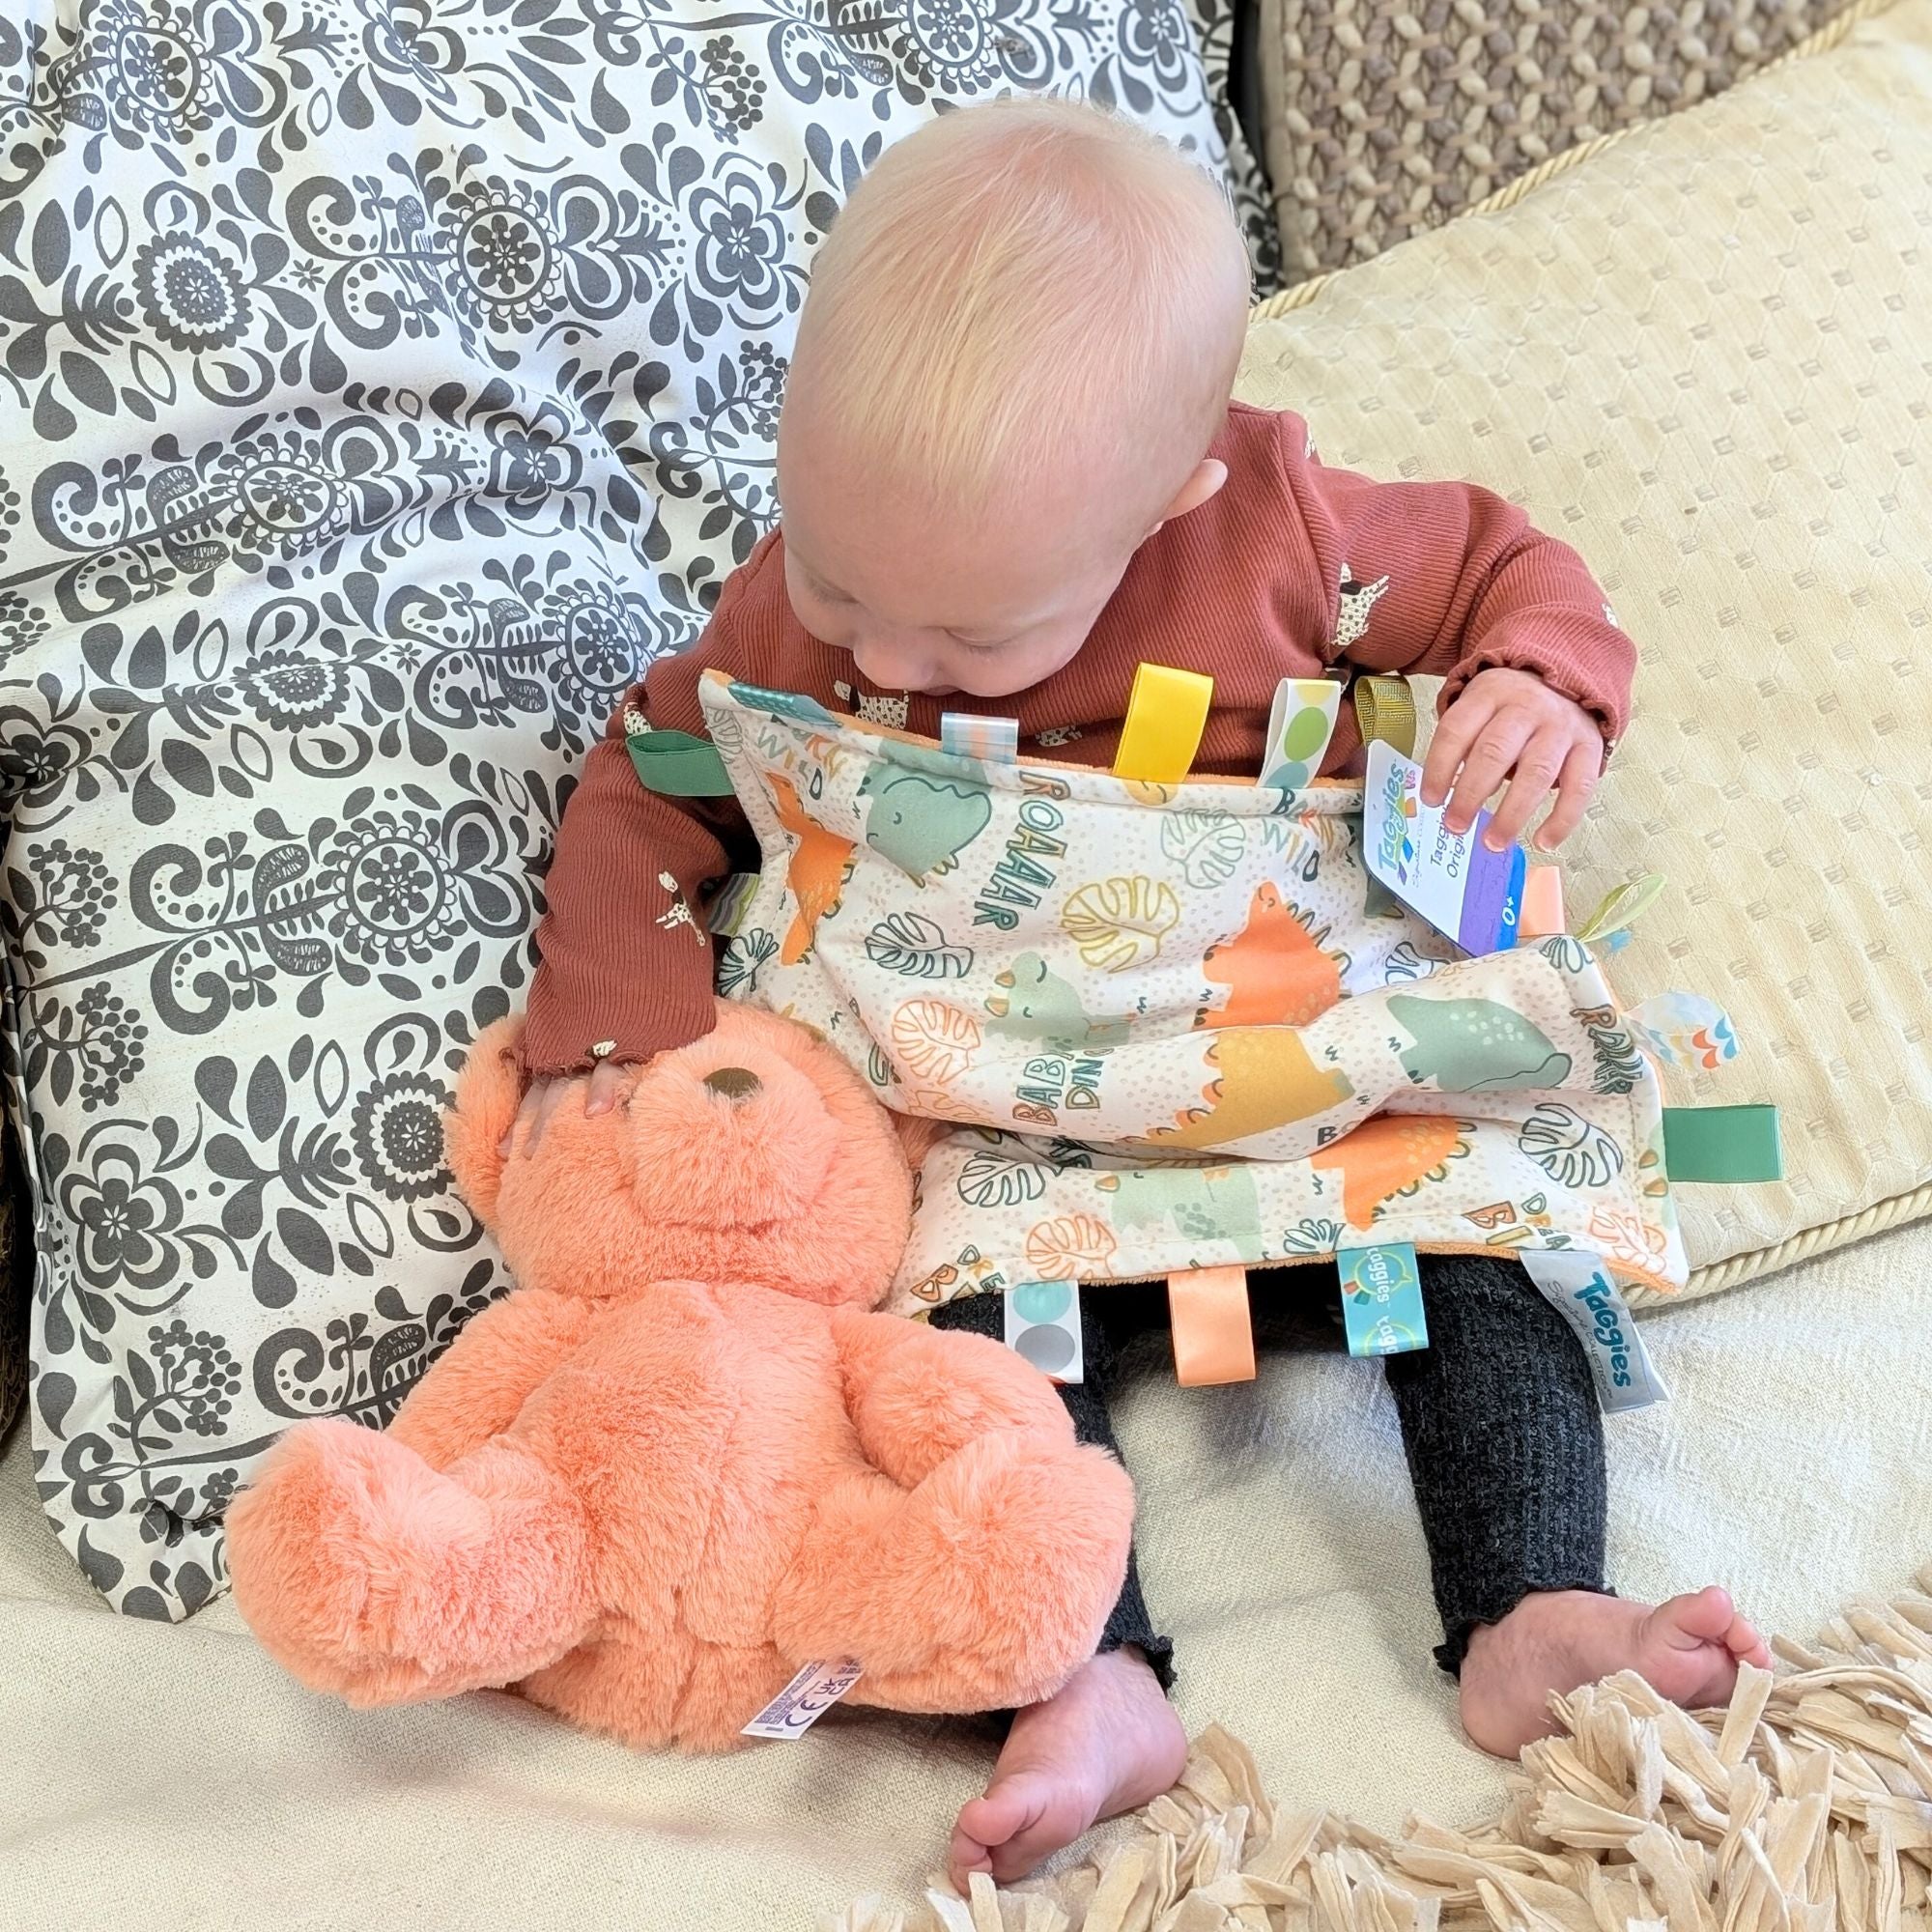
[
  {"x": 1174, "y": 1033},
  {"x": 382, "y": 384}
]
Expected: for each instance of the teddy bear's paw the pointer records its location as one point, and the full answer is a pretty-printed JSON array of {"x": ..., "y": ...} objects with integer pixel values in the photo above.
[
  {"x": 982, "y": 1587},
  {"x": 339, "y": 1554}
]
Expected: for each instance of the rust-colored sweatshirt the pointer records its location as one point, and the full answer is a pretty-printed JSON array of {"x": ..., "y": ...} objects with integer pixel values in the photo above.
[{"x": 1291, "y": 569}]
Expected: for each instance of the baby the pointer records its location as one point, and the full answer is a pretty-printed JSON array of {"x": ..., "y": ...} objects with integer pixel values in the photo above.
[{"x": 1010, "y": 470}]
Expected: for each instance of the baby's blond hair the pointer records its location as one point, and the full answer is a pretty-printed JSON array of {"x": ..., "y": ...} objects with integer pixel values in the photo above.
[{"x": 1018, "y": 284}]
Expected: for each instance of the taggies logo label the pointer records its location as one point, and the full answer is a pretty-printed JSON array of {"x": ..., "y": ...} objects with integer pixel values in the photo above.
[
  {"x": 1398, "y": 848},
  {"x": 1605, "y": 1304}
]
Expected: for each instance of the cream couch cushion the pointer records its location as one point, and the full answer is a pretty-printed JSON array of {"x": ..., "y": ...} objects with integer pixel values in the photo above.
[{"x": 1704, "y": 355}]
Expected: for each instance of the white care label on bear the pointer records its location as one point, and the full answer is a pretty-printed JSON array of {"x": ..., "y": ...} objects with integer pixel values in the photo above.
[
  {"x": 804, "y": 1701},
  {"x": 1580, "y": 1287}
]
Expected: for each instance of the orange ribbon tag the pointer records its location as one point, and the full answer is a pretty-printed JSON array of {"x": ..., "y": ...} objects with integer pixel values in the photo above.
[
  {"x": 1542, "y": 914},
  {"x": 1213, "y": 1340}
]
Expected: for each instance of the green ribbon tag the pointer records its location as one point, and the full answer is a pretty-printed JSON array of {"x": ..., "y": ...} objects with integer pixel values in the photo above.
[
  {"x": 1736, "y": 1143},
  {"x": 1622, "y": 908},
  {"x": 678, "y": 764}
]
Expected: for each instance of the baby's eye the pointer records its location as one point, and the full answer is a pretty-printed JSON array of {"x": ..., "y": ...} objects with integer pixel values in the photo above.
[{"x": 978, "y": 643}]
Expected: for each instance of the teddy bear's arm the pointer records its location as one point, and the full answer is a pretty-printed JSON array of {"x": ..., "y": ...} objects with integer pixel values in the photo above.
[
  {"x": 917, "y": 1395},
  {"x": 472, "y": 1392}
]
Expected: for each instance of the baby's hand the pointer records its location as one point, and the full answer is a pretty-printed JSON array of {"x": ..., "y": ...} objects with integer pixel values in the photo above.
[
  {"x": 548, "y": 1091},
  {"x": 1509, "y": 721}
]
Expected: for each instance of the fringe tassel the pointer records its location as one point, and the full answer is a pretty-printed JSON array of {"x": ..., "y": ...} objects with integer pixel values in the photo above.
[{"x": 1807, "y": 1806}]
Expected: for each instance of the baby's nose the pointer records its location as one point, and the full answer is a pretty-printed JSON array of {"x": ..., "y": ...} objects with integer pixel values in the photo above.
[
  {"x": 890, "y": 665},
  {"x": 732, "y": 1083}
]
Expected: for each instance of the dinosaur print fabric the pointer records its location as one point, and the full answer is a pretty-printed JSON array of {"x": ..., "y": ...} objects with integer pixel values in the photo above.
[{"x": 1167, "y": 1031}]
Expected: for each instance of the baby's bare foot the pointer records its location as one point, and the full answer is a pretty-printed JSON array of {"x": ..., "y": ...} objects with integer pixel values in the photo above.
[
  {"x": 1688, "y": 1650},
  {"x": 1107, "y": 1742}
]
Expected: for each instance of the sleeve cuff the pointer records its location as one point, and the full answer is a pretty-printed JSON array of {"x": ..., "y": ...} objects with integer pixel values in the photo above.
[{"x": 553, "y": 1044}]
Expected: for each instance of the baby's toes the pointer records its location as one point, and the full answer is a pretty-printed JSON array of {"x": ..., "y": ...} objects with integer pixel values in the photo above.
[{"x": 1746, "y": 1644}]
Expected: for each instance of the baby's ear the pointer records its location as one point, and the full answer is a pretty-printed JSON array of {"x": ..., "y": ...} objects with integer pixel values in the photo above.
[{"x": 489, "y": 1090}]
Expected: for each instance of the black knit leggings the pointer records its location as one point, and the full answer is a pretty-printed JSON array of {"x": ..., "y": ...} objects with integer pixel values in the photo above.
[{"x": 1498, "y": 1416}]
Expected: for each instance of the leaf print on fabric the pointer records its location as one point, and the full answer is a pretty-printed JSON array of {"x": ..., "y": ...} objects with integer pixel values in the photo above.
[
  {"x": 1069, "y": 1247},
  {"x": 1627, "y": 1235},
  {"x": 1405, "y": 962},
  {"x": 934, "y": 1041},
  {"x": 906, "y": 943},
  {"x": 1207, "y": 845},
  {"x": 1574, "y": 1151},
  {"x": 744, "y": 957},
  {"x": 1312, "y": 1237},
  {"x": 995, "y": 1178},
  {"x": 1119, "y": 923}
]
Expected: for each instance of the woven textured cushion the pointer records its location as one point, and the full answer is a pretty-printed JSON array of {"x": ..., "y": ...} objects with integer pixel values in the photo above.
[
  {"x": 1385, "y": 117},
  {"x": 1704, "y": 355}
]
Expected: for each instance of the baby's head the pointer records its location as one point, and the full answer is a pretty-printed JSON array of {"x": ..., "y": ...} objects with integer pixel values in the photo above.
[{"x": 1019, "y": 343}]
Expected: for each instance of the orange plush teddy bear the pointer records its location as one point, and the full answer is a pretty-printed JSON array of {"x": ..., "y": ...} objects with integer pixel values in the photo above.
[{"x": 681, "y": 1460}]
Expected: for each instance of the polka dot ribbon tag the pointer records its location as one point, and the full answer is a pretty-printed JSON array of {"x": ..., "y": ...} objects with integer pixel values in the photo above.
[{"x": 1043, "y": 1325}]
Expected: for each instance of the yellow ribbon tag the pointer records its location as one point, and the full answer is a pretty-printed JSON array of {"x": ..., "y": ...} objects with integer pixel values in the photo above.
[
  {"x": 1385, "y": 709},
  {"x": 1166, "y": 715},
  {"x": 1623, "y": 908}
]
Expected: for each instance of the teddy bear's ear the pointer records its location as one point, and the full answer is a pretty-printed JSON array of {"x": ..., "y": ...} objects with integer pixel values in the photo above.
[{"x": 488, "y": 1092}]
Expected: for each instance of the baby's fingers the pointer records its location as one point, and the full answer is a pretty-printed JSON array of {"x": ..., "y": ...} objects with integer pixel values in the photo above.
[
  {"x": 606, "y": 1087},
  {"x": 534, "y": 1116},
  {"x": 1497, "y": 749},
  {"x": 1581, "y": 769},
  {"x": 1537, "y": 768},
  {"x": 524, "y": 1120},
  {"x": 1454, "y": 731}
]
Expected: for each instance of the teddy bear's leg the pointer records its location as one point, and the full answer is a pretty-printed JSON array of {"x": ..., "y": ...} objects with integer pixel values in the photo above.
[
  {"x": 475, "y": 1389},
  {"x": 918, "y": 1394},
  {"x": 367, "y": 1573},
  {"x": 983, "y": 1587}
]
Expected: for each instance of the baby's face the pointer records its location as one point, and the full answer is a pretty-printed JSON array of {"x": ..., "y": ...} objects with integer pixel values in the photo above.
[{"x": 927, "y": 603}]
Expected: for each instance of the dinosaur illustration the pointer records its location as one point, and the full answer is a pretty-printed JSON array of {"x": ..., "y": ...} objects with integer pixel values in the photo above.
[
  {"x": 1263, "y": 1079},
  {"x": 922, "y": 824},
  {"x": 820, "y": 864},
  {"x": 1204, "y": 1203},
  {"x": 1473, "y": 1046},
  {"x": 1275, "y": 972},
  {"x": 1040, "y": 1005},
  {"x": 1386, "y": 1154}
]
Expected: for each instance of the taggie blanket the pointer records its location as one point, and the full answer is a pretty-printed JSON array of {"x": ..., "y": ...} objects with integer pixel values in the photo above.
[{"x": 1167, "y": 1030}]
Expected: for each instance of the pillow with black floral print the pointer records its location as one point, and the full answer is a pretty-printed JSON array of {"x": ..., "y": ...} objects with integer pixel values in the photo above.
[{"x": 379, "y": 390}]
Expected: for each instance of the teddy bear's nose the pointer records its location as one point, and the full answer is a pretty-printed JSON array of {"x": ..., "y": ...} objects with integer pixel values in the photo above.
[{"x": 734, "y": 1083}]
